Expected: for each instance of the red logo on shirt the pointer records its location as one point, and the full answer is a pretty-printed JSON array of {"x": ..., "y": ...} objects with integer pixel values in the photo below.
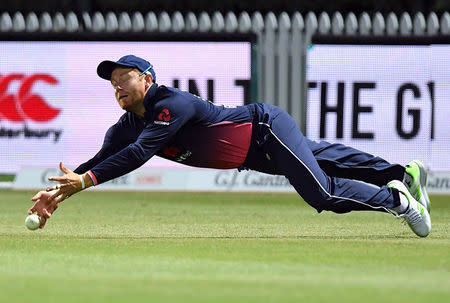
[
  {"x": 171, "y": 151},
  {"x": 164, "y": 115}
]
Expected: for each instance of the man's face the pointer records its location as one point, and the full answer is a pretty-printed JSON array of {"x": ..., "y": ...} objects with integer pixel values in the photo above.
[{"x": 129, "y": 87}]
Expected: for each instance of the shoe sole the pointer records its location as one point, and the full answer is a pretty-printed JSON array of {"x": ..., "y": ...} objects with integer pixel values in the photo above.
[
  {"x": 423, "y": 182},
  {"x": 404, "y": 190}
]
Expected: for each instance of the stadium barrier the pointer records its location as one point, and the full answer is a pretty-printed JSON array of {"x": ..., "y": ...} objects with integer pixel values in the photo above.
[{"x": 146, "y": 179}]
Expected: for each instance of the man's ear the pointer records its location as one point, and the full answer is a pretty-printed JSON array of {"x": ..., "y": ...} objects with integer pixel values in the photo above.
[{"x": 149, "y": 79}]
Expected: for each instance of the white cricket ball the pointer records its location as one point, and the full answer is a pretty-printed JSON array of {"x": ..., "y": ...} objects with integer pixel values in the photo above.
[{"x": 32, "y": 222}]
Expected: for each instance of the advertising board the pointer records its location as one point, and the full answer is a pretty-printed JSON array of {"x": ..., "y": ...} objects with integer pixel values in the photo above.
[
  {"x": 389, "y": 100},
  {"x": 54, "y": 107}
]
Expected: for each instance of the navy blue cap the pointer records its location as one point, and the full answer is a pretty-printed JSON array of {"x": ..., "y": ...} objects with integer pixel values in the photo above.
[{"x": 105, "y": 68}]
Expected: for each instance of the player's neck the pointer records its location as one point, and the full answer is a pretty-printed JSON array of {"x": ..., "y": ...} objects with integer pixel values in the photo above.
[{"x": 138, "y": 109}]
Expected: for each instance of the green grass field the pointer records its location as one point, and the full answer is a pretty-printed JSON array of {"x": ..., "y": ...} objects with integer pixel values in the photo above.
[
  {"x": 217, "y": 247},
  {"x": 4, "y": 178}
]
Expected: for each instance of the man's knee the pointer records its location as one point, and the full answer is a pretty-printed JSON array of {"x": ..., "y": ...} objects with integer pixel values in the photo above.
[
  {"x": 339, "y": 206},
  {"x": 320, "y": 202}
]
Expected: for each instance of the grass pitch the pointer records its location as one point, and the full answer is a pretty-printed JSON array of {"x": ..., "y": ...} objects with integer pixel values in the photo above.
[{"x": 217, "y": 247}]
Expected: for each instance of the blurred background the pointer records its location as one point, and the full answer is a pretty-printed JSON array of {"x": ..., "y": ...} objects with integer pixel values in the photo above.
[
  {"x": 371, "y": 74},
  {"x": 197, "y": 6}
]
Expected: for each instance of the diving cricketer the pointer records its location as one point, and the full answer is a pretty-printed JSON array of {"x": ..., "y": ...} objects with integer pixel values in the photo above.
[{"x": 182, "y": 127}]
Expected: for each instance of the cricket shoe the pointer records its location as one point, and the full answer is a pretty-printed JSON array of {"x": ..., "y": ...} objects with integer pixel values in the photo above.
[
  {"x": 415, "y": 180},
  {"x": 415, "y": 215}
]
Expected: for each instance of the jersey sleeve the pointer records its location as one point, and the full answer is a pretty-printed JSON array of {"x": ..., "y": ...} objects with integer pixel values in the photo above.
[
  {"x": 112, "y": 143},
  {"x": 168, "y": 118}
]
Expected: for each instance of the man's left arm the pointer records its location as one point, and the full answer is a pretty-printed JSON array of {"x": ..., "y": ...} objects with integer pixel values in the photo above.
[
  {"x": 154, "y": 136},
  {"x": 151, "y": 140}
]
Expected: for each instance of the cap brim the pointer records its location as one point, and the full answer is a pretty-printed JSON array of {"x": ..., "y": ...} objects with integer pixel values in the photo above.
[{"x": 105, "y": 69}]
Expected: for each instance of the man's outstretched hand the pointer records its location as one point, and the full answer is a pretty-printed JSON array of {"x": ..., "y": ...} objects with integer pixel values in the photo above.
[
  {"x": 69, "y": 183},
  {"x": 44, "y": 206},
  {"x": 46, "y": 202}
]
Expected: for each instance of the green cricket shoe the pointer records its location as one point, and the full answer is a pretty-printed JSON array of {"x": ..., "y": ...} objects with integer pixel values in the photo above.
[
  {"x": 415, "y": 215},
  {"x": 415, "y": 179}
]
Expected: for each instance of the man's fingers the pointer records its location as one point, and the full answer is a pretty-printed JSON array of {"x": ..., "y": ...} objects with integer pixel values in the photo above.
[
  {"x": 60, "y": 198},
  {"x": 57, "y": 178},
  {"x": 55, "y": 195},
  {"x": 63, "y": 168},
  {"x": 56, "y": 187},
  {"x": 46, "y": 214},
  {"x": 36, "y": 196},
  {"x": 43, "y": 220},
  {"x": 51, "y": 188}
]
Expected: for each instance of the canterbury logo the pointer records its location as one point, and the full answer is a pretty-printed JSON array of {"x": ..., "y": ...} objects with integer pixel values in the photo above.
[
  {"x": 164, "y": 115},
  {"x": 24, "y": 105}
]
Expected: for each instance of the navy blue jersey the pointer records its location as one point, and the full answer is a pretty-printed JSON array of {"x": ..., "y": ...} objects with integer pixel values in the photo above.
[
  {"x": 177, "y": 126},
  {"x": 184, "y": 128}
]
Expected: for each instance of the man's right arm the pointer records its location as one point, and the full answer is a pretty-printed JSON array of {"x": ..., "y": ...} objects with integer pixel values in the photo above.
[
  {"x": 112, "y": 143},
  {"x": 72, "y": 182}
]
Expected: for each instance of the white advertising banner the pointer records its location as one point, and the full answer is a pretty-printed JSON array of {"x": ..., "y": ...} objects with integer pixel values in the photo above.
[
  {"x": 392, "y": 101},
  {"x": 54, "y": 107},
  {"x": 175, "y": 179}
]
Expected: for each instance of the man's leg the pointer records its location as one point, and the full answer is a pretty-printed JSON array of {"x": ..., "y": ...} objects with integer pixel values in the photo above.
[
  {"x": 288, "y": 148},
  {"x": 338, "y": 160},
  {"x": 342, "y": 161}
]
